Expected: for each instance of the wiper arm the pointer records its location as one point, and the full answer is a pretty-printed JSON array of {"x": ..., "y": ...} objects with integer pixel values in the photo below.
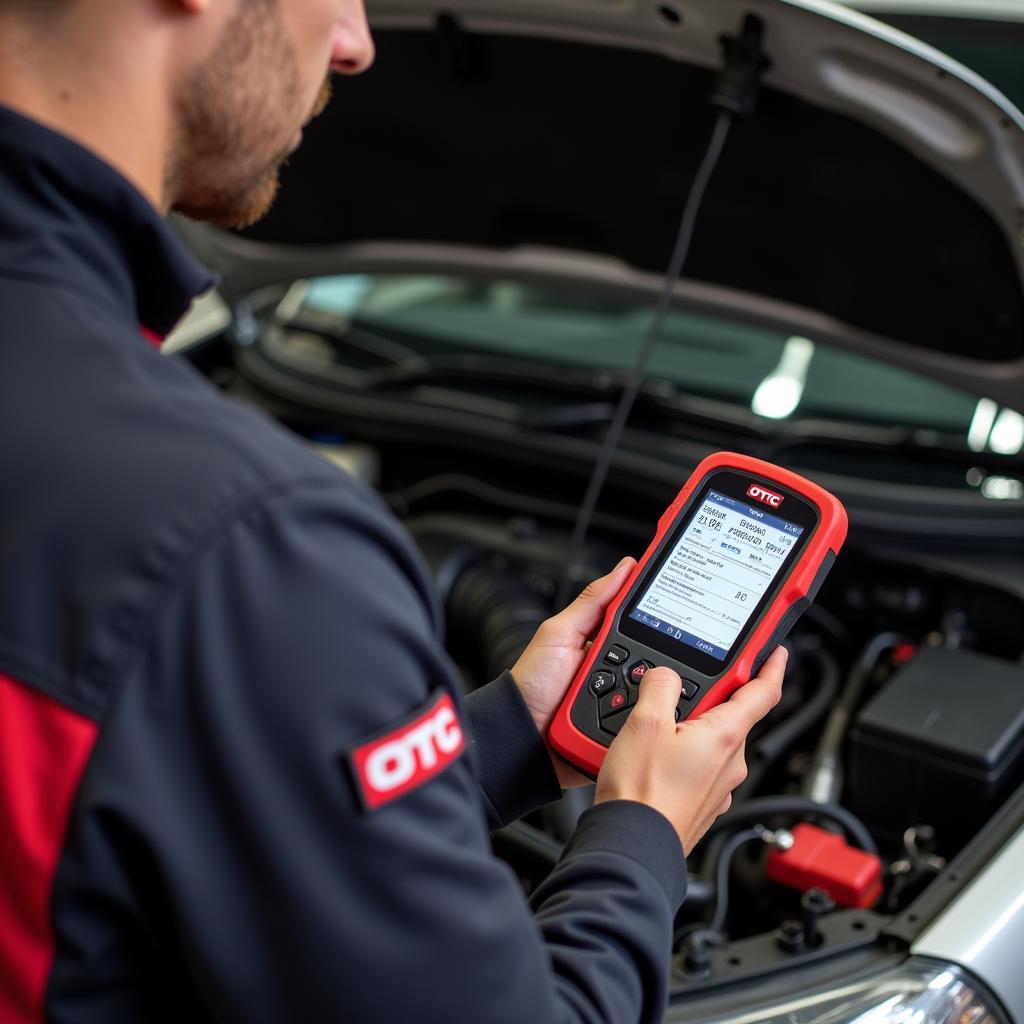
[
  {"x": 478, "y": 368},
  {"x": 598, "y": 391},
  {"x": 400, "y": 367},
  {"x": 568, "y": 417},
  {"x": 406, "y": 370},
  {"x": 351, "y": 337}
]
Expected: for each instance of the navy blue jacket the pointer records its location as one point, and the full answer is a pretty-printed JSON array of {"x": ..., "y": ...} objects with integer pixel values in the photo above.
[{"x": 203, "y": 628}]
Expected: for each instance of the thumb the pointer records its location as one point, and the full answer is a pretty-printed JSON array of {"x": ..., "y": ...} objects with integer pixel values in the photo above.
[
  {"x": 659, "y": 694},
  {"x": 752, "y": 702},
  {"x": 584, "y": 614}
]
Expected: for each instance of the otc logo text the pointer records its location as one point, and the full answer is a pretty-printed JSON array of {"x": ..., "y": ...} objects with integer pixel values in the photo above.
[
  {"x": 759, "y": 493},
  {"x": 408, "y": 756}
]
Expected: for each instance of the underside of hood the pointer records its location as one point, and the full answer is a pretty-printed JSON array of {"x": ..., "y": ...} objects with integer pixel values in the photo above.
[{"x": 877, "y": 193}]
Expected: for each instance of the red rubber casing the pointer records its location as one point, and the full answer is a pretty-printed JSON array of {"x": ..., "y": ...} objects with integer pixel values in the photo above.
[
  {"x": 793, "y": 594},
  {"x": 823, "y": 860}
]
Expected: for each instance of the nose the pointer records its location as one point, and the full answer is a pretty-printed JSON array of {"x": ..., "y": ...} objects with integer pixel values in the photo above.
[{"x": 352, "y": 49}]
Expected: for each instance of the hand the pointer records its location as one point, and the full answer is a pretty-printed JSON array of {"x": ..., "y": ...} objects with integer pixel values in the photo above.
[
  {"x": 550, "y": 662},
  {"x": 687, "y": 771}
]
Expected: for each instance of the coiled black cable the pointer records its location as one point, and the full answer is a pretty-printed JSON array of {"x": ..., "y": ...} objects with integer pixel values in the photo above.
[
  {"x": 733, "y": 844},
  {"x": 722, "y": 849},
  {"x": 765, "y": 808},
  {"x": 697, "y": 937}
]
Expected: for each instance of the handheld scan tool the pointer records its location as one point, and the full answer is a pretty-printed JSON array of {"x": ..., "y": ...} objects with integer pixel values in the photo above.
[{"x": 736, "y": 560}]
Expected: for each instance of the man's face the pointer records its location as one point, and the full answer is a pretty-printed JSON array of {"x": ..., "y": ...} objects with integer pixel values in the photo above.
[{"x": 240, "y": 112}]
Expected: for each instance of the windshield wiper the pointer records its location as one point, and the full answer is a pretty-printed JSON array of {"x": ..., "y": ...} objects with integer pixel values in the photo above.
[{"x": 562, "y": 398}]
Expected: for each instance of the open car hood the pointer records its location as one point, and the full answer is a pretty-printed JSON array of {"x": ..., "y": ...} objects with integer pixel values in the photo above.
[{"x": 875, "y": 200}]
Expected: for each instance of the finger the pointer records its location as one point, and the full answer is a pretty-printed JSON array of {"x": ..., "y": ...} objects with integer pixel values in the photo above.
[
  {"x": 584, "y": 614},
  {"x": 754, "y": 700},
  {"x": 659, "y": 694}
]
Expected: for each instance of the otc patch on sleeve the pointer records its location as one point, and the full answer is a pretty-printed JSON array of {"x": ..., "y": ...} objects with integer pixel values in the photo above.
[{"x": 408, "y": 755}]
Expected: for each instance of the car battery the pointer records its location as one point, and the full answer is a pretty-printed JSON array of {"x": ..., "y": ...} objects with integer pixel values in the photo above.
[{"x": 941, "y": 744}]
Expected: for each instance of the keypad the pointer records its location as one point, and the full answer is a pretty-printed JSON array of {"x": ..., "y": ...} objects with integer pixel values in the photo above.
[{"x": 614, "y": 700}]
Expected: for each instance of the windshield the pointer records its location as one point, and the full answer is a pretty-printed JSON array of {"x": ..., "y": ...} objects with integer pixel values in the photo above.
[{"x": 773, "y": 375}]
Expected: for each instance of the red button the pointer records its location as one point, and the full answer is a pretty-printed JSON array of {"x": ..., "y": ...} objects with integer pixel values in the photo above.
[
  {"x": 638, "y": 671},
  {"x": 618, "y": 699}
]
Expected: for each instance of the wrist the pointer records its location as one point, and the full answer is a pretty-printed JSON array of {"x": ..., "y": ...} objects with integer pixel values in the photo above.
[{"x": 541, "y": 718}]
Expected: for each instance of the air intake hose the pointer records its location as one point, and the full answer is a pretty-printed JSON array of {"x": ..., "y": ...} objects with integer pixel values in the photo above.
[{"x": 492, "y": 614}]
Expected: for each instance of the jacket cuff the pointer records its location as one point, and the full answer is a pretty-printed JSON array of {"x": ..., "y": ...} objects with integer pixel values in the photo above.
[
  {"x": 640, "y": 833},
  {"x": 516, "y": 773}
]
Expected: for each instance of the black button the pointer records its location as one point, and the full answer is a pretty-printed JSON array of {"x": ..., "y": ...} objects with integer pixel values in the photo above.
[
  {"x": 613, "y": 723},
  {"x": 678, "y": 713},
  {"x": 616, "y": 655},
  {"x": 602, "y": 682},
  {"x": 638, "y": 670},
  {"x": 689, "y": 689}
]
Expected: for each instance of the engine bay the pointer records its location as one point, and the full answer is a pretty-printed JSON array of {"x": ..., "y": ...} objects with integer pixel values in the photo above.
[
  {"x": 899, "y": 735},
  {"x": 472, "y": 376},
  {"x": 877, "y": 788}
]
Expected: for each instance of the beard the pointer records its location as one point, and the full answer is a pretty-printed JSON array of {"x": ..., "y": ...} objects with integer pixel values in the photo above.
[{"x": 236, "y": 121}]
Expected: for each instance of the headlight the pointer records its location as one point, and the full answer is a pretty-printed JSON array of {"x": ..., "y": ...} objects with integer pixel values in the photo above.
[{"x": 918, "y": 992}]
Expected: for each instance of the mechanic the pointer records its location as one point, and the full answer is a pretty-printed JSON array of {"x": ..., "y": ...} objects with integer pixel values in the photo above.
[{"x": 238, "y": 781}]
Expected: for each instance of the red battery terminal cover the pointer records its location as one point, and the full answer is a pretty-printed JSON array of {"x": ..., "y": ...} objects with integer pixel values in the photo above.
[{"x": 824, "y": 860}]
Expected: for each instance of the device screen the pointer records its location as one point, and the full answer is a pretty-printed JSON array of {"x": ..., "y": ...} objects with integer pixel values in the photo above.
[{"x": 715, "y": 576}]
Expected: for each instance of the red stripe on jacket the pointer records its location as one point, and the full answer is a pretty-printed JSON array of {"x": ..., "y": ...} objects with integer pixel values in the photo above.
[{"x": 44, "y": 748}]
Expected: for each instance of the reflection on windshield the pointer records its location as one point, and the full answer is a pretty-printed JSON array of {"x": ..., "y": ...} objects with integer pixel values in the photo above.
[{"x": 778, "y": 396}]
